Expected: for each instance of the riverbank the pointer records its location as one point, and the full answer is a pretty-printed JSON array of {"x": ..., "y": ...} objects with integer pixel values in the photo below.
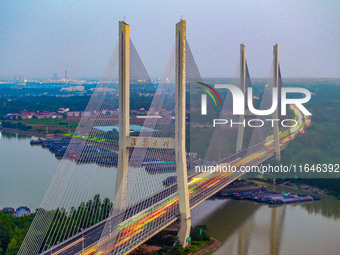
[
  {"x": 302, "y": 187},
  {"x": 18, "y": 131},
  {"x": 212, "y": 246},
  {"x": 305, "y": 188},
  {"x": 166, "y": 242},
  {"x": 29, "y": 133},
  {"x": 204, "y": 248}
]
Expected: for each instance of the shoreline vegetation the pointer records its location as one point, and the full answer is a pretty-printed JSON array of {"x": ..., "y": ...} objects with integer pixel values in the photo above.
[
  {"x": 12, "y": 232},
  {"x": 40, "y": 127},
  {"x": 23, "y": 132},
  {"x": 302, "y": 186},
  {"x": 166, "y": 243},
  {"x": 299, "y": 185},
  {"x": 305, "y": 188}
]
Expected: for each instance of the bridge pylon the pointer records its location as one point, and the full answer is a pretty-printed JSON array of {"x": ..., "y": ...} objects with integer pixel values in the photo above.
[
  {"x": 124, "y": 115},
  {"x": 180, "y": 111},
  {"x": 240, "y": 130},
  {"x": 276, "y": 113}
]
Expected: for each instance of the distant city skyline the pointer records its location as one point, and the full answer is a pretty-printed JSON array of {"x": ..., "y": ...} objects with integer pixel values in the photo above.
[{"x": 42, "y": 38}]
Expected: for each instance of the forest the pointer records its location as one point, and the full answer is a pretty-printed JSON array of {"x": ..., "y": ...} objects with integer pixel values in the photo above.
[{"x": 12, "y": 232}]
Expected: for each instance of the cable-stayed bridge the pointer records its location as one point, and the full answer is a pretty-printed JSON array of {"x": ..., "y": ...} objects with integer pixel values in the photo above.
[{"x": 137, "y": 149}]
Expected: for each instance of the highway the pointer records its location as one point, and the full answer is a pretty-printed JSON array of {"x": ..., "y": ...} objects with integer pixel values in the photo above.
[{"x": 140, "y": 222}]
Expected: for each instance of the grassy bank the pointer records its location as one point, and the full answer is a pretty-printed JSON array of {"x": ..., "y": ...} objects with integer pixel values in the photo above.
[
  {"x": 54, "y": 126},
  {"x": 166, "y": 243}
]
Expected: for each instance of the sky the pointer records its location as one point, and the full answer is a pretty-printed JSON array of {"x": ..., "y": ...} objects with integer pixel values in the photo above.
[{"x": 42, "y": 37}]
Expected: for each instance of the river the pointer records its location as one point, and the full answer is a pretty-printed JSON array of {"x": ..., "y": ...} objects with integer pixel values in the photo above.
[
  {"x": 25, "y": 171},
  {"x": 243, "y": 227},
  {"x": 246, "y": 227}
]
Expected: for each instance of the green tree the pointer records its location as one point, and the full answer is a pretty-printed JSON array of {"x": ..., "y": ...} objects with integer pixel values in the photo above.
[{"x": 13, "y": 247}]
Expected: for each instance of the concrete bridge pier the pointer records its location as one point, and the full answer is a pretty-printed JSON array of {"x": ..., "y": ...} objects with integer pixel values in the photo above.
[
  {"x": 180, "y": 110},
  {"x": 240, "y": 130},
  {"x": 124, "y": 115},
  {"x": 276, "y": 113}
]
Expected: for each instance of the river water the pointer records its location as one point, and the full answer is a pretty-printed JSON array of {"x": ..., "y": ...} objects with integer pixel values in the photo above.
[
  {"x": 246, "y": 227},
  {"x": 243, "y": 227},
  {"x": 25, "y": 171}
]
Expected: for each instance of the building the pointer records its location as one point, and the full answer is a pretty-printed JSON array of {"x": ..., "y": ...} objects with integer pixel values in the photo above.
[
  {"x": 73, "y": 114},
  {"x": 13, "y": 115},
  {"x": 63, "y": 110},
  {"x": 27, "y": 115},
  {"x": 43, "y": 115},
  {"x": 55, "y": 115}
]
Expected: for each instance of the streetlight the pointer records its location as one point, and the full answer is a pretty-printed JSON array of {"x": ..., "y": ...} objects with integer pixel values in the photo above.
[{"x": 82, "y": 237}]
